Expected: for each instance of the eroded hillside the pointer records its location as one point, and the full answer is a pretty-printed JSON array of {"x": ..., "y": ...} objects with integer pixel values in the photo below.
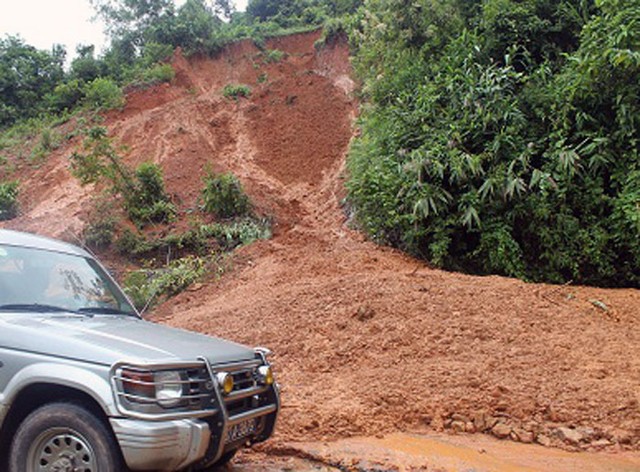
[{"x": 367, "y": 340}]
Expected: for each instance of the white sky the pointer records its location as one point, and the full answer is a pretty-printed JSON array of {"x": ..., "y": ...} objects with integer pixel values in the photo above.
[{"x": 43, "y": 23}]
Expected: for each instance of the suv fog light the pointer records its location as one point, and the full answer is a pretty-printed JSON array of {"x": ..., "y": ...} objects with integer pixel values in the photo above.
[
  {"x": 265, "y": 375},
  {"x": 225, "y": 380}
]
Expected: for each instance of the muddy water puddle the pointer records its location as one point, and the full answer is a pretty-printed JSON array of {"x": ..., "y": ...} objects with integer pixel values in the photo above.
[
  {"x": 262, "y": 463},
  {"x": 438, "y": 453}
]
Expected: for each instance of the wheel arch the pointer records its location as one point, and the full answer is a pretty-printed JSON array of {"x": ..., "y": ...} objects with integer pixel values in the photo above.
[{"x": 41, "y": 384}]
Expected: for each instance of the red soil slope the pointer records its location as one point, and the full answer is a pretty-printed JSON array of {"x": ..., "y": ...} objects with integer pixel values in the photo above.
[{"x": 368, "y": 340}]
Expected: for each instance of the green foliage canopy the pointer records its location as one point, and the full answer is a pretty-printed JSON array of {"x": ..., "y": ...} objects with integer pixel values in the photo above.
[
  {"x": 502, "y": 136},
  {"x": 26, "y": 76}
]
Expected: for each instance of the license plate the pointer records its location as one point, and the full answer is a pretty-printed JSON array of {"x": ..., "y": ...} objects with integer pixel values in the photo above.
[{"x": 241, "y": 430}]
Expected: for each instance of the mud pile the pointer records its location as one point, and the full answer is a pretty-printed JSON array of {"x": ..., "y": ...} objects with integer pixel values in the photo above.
[{"x": 367, "y": 340}]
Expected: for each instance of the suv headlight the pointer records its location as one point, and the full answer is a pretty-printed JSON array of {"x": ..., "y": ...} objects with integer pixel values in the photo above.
[
  {"x": 171, "y": 390},
  {"x": 168, "y": 388},
  {"x": 163, "y": 387}
]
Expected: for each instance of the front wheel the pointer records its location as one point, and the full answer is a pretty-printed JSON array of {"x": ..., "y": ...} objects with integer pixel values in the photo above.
[{"x": 64, "y": 437}]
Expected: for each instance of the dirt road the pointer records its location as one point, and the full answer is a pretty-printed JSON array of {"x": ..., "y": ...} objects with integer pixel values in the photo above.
[{"x": 432, "y": 453}]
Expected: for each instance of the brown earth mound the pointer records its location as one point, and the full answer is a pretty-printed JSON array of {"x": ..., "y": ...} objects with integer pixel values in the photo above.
[{"x": 367, "y": 340}]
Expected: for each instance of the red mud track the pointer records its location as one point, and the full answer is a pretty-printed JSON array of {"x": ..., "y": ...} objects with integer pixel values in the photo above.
[{"x": 367, "y": 340}]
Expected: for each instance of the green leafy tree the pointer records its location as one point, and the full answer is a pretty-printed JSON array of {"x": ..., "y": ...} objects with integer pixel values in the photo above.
[
  {"x": 26, "y": 76},
  {"x": 85, "y": 67},
  {"x": 130, "y": 19}
]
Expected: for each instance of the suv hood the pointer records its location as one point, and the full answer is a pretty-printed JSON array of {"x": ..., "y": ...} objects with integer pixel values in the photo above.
[{"x": 105, "y": 339}]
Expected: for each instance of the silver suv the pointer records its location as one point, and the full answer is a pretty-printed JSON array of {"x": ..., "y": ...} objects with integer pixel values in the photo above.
[{"x": 86, "y": 385}]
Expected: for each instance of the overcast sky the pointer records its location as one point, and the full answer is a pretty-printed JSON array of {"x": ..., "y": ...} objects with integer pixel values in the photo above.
[{"x": 43, "y": 23}]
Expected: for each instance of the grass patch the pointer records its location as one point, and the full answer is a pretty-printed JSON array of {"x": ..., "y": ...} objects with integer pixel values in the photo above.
[
  {"x": 272, "y": 56},
  {"x": 236, "y": 91}
]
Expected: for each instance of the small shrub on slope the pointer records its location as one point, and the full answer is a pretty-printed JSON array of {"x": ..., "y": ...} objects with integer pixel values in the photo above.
[
  {"x": 224, "y": 197},
  {"x": 149, "y": 202},
  {"x": 236, "y": 91},
  {"x": 8, "y": 200}
]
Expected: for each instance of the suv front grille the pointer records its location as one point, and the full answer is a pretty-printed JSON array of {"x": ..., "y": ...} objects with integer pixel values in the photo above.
[
  {"x": 244, "y": 379},
  {"x": 199, "y": 390}
]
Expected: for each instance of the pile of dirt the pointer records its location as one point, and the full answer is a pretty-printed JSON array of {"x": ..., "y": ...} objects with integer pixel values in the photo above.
[{"x": 367, "y": 340}]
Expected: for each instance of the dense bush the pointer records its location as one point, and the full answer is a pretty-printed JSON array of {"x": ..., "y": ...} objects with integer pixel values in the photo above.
[
  {"x": 158, "y": 73},
  {"x": 223, "y": 196},
  {"x": 8, "y": 200},
  {"x": 294, "y": 12},
  {"x": 502, "y": 136},
  {"x": 65, "y": 96},
  {"x": 103, "y": 94}
]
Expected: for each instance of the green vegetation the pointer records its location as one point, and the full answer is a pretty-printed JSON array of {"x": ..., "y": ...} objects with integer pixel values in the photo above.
[
  {"x": 142, "y": 191},
  {"x": 8, "y": 200},
  {"x": 502, "y": 136},
  {"x": 202, "y": 239},
  {"x": 497, "y": 136},
  {"x": 272, "y": 56},
  {"x": 236, "y": 91},
  {"x": 200, "y": 251},
  {"x": 27, "y": 75},
  {"x": 148, "y": 286},
  {"x": 148, "y": 202},
  {"x": 157, "y": 74},
  {"x": 223, "y": 196},
  {"x": 101, "y": 227},
  {"x": 103, "y": 94}
]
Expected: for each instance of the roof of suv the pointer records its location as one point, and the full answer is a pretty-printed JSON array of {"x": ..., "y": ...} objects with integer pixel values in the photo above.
[{"x": 16, "y": 238}]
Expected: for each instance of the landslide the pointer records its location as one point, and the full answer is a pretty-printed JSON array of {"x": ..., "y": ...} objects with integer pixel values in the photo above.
[{"x": 367, "y": 340}]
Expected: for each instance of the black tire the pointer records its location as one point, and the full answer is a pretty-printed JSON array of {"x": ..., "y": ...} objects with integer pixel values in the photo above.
[
  {"x": 224, "y": 460},
  {"x": 64, "y": 434}
]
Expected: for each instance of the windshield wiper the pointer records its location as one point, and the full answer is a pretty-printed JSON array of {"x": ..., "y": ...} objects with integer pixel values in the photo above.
[
  {"x": 102, "y": 310},
  {"x": 35, "y": 307}
]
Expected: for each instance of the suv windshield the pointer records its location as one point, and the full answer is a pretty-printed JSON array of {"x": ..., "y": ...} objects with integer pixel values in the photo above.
[{"x": 39, "y": 280}]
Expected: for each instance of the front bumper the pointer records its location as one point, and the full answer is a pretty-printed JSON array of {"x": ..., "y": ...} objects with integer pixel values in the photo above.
[
  {"x": 177, "y": 444},
  {"x": 163, "y": 446}
]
